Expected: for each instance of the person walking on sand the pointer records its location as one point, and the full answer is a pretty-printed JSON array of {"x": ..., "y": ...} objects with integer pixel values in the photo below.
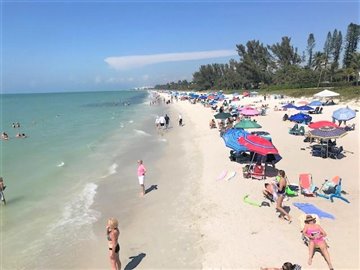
[
  {"x": 112, "y": 235},
  {"x": 180, "y": 120},
  {"x": 141, "y": 170},
  {"x": 167, "y": 121},
  {"x": 281, "y": 185},
  {"x": 2, "y": 188}
]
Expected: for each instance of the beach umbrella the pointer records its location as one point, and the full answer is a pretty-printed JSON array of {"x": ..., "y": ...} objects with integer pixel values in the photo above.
[
  {"x": 344, "y": 114},
  {"x": 263, "y": 134},
  {"x": 246, "y": 123},
  {"x": 327, "y": 133},
  {"x": 231, "y": 137},
  {"x": 249, "y": 112},
  {"x": 222, "y": 115},
  {"x": 300, "y": 117},
  {"x": 326, "y": 94},
  {"x": 289, "y": 106},
  {"x": 258, "y": 144},
  {"x": 321, "y": 124},
  {"x": 304, "y": 102},
  {"x": 315, "y": 103},
  {"x": 304, "y": 108}
]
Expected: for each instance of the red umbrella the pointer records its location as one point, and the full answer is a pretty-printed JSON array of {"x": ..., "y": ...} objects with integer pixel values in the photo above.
[
  {"x": 258, "y": 145},
  {"x": 321, "y": 124}
]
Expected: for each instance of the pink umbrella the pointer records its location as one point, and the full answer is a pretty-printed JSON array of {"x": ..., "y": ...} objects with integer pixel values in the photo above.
[
  {"x": 258, "y": 144},
  {"x": 321, "y": 124},
  {"x": 304, "y": 102},
  {"x": 249, "y": 112}
]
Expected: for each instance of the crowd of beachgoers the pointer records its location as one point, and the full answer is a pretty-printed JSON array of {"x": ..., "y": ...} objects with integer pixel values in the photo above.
[{"x": 237, "y": 117}]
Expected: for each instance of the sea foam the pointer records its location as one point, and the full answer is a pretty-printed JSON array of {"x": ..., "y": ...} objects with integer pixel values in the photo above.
[
  {"x": 141, "y": 132},
  {"x": 111, "y": 170},
  {"x": 77, "y": 212}
]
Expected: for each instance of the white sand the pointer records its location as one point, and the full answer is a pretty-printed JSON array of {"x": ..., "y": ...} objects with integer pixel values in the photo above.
[
  {"x": 241, "y": 236},
  {"x": 194, "y": 221}
]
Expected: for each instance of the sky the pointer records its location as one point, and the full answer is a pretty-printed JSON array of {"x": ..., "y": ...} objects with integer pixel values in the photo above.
[{"x": 66, "y": 46}]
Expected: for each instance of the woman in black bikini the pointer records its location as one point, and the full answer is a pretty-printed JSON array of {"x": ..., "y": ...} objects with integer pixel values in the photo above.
[
  {"x": 112, "y": 233},
  {"x": 281, "y": 185}
]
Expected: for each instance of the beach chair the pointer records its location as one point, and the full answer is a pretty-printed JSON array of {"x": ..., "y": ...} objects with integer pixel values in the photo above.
[
  {"x": 316, "y": 111},
  {"x": 301, "y": 131},
  {"x": 332, "y": 189},
  {"x": 307, "y": 188},
  {"x": 294, "y": 130},
  {"x": 257, "y": 171},
  {"x": 335, "y": 152},
  {"x": 349, "y": 128}
]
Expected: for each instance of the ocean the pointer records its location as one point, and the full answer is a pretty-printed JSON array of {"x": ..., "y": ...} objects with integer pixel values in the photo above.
[{"x": 76, "y": 143}]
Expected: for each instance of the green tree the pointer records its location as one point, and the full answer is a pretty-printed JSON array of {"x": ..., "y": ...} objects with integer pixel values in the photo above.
[
  {"x": 284, "y": 53},
  {"x": 336, "y": 48},
  {"x": 328, "y": 48},
  {"x": 351, "y": 42},
  {"x": 255, "y": 63},
  {"x": 310, "y": 47}
]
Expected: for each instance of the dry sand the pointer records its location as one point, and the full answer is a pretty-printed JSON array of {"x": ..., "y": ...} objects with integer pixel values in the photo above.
[{"x": 194, "y": 221}]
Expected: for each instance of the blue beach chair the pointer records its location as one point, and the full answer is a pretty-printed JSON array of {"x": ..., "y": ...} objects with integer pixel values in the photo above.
[{"x": 332, "y": 189}]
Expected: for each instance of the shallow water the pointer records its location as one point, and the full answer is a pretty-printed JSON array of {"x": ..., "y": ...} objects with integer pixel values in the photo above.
[{"x": 75, "y": 142}]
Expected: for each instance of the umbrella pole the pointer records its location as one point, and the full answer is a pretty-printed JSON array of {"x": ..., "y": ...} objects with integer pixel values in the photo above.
[
  {"x": 327, "y": 149},
  {"x": 252, "y": 159}
]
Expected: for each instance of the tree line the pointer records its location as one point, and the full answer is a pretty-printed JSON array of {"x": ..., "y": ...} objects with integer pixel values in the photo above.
[{"x": 280, "y": 65}]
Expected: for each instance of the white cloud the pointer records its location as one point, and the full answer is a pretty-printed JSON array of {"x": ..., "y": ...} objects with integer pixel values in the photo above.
[
  {"x": 134, "y": 61},
  {"x": 145, "y": 77}
]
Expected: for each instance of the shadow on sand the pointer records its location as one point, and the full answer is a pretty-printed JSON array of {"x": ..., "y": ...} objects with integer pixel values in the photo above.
[
  {"x": 135, "y": 261},
  {"x": 153, "y": 187}
]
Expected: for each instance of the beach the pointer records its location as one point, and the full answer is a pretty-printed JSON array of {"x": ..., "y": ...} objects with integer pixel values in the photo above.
[
  {"x": 226, "y": 232},
  {"x": 191, "y": 219}
]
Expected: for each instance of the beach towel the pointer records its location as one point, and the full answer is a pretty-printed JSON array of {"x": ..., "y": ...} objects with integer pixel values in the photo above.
[
  {"x": 309, "y": 208},
  {"x": 254, "y": 203},
  {"x": 222, "y": 175}
]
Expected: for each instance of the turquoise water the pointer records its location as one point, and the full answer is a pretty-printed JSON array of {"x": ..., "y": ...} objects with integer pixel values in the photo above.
[{"x": 75, "y": 141}]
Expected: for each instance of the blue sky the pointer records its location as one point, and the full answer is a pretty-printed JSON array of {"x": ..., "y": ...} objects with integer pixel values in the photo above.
[{"x": 58, "y": 46}]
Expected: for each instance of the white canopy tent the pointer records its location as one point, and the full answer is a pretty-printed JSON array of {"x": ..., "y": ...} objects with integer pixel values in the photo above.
[{"x": 326, "y": 94}]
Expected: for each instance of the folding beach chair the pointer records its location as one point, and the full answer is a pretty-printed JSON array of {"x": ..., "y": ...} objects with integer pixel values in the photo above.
[
  {"x": 294, "y": 130},
  {"x": 336, "y": 152},
  {"x": 257, "y": 171},
  {"x": 307, "y": 188},
  {"x": 332, "y": 189}
]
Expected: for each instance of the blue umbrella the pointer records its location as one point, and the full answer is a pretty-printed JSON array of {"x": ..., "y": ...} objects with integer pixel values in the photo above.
[
  {"x": 300, "y": 117},
  {"x": 304, "y": 108},
  {"x": 344, "y": 114},
  {"x": 231, "y": 137},
  {"x": 289, "y": 106},
  {"x": 315, "y": 103}
]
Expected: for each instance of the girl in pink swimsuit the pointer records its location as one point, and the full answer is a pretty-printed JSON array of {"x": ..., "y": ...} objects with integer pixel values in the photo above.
[{"x": 317, "y": 235}]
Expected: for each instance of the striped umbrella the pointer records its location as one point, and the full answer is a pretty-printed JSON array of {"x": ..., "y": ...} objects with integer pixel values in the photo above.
[
  {"x": 258, "y": 144},
  {"x": 327, "y": 133}
]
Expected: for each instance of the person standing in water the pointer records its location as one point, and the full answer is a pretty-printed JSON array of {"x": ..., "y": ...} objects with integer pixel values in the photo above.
[{"x": 141, "y": 170}]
